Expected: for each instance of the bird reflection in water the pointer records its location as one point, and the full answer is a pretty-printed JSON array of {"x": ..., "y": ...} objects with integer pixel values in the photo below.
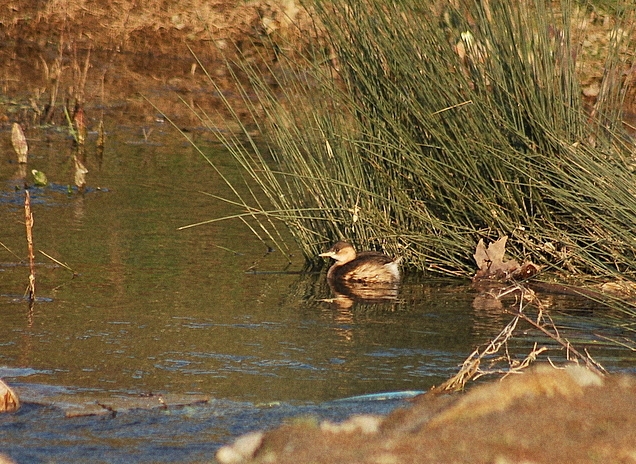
[{"x": 368, "y": 277}]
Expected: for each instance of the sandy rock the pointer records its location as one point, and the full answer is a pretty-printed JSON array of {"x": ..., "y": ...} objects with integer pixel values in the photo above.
[
  {"x": 241, "y": 450},
  {"x": 543, "y": 415},
  {"x": 9, "y": 401},
  {"x": 498, "y": 396},
  {"x": 4, "y": 459},
  {"x": 366, "y": 424}
]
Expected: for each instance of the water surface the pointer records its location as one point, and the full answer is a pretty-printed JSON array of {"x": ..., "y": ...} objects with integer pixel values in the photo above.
[{"x": 155, "y": 310}]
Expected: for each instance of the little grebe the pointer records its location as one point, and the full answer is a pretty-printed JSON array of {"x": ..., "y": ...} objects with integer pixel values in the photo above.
[{"x": 367, "y": 266}]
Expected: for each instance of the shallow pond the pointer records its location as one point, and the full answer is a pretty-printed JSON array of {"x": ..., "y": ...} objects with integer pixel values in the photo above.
[{"x": 155, "y": 310}]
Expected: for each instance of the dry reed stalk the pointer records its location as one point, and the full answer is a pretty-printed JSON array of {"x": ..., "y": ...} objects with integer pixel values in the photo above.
[
  {"x": 470, "y": 369},
  {"x": 101, "y": 137},
  {"x": 29, "y": 236},
  {"x": 79, "y": 120},
  {"x": 80, "y": 171},
  {"x": 53, "y": 77},
  {"x": 59, "y": 263},
  {"x": 80, "y": 73}
]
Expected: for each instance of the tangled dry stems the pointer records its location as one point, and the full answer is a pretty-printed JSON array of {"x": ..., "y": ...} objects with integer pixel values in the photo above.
[{"x": 495, "y": 359}]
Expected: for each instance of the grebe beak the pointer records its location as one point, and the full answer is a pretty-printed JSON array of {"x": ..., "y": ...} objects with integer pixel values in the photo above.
[{"x": 327, "y": 254}]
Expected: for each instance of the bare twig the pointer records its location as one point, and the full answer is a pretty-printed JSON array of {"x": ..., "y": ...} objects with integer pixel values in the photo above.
[
  {"x": 472, "y": 367},
  {"x": 589, "y": 362}
]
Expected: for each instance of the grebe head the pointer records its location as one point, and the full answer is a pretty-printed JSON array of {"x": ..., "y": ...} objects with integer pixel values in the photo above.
[{"x": 342, "y": 252}]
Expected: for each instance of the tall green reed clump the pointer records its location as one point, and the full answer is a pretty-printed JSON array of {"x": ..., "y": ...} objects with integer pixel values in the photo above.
[{"x": 421, "y": 133}]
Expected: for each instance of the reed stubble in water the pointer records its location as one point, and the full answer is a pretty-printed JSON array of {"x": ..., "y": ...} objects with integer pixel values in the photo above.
[
  {"x": 29, "y": 238},
  {"x": 18, "y": 140}
]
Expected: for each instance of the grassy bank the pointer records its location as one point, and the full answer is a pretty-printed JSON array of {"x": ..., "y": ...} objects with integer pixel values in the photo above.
[{"x": 421, "y": 133}]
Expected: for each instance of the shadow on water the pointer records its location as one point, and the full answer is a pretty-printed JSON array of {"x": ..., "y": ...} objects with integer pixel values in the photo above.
[{"x": 148, "y": 309}]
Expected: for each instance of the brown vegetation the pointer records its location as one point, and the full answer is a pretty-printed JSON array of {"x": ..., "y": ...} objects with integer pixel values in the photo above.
[
  {"x": 154, "y": 26},
  {"x": 108, "y": 53}
]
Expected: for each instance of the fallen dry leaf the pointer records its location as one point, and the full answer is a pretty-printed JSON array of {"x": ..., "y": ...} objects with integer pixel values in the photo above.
[{"x": 492, "y": 265}]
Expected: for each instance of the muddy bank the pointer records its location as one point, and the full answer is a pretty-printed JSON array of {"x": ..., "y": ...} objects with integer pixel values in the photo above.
[
  {"x": 119, "y": 55},
  {"x": 155, "y": 26},
  {"x": 115, "y": 54}
]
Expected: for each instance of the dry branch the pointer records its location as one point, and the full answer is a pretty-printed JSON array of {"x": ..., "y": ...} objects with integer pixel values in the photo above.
[{"x": 472, "y": 367}]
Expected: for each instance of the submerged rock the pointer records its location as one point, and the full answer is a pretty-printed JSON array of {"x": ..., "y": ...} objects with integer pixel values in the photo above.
[{"x": 544, "y": 415}]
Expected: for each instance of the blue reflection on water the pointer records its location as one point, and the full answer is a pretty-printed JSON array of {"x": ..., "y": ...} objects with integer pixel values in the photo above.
[{"x": 41, "y": 433}]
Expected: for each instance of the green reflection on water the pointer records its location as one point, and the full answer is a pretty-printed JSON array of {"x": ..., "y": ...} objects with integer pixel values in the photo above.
[{"x": 162, "y": 310}]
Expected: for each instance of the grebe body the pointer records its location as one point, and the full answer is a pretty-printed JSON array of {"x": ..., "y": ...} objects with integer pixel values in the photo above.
[{"x": 368, "y": 267}]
